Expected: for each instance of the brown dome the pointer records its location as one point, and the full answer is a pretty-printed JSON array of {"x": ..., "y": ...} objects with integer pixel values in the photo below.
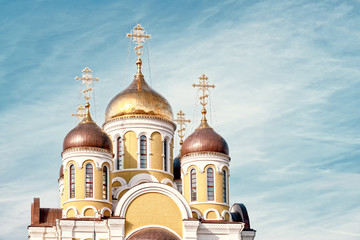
[
  {"x": 204, "y": 139},
  {"x": 61, "y": 175},
  {"x": 87, "y": 134},
  {"x": 138, "y": 99},
  {"x": 153, "y": 233}
]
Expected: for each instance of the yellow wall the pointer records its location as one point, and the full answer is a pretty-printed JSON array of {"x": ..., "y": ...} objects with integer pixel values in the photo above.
[
  {"x": 156, "y": 145},
  {"x": 130, "y": 149},
  {"x": 139, "y": 213}
]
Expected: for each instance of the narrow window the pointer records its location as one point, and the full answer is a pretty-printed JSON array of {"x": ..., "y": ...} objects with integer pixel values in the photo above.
[
  {"x": 143, "y": 152},
  {"x": 224, "y": 186},
  {"x": 118, "y": 155},
  {"x": 193, "y": 184},
  {"x": 105, "y": 183},
  {"x": 165, "y": 156},
  {"x": 89, "y": 180},
  {"x": 210, "y": 184},
  {"x": 72, "y": 181}
]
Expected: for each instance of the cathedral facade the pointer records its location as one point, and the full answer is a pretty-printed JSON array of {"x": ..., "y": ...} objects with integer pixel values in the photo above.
[{"x": 121, "y": 181}]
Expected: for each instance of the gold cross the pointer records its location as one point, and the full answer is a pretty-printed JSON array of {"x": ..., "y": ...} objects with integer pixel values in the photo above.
[
  {"x": 204, "y": 87},
  {"x": 138, "y": 36},
  {"x": 80, "y": 112},
  {"x": 182, "y": 122},
  {"x": 87, "y": 79}
]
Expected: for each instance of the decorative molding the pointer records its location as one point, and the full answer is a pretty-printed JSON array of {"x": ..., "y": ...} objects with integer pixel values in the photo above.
[
  {"x": 121, "y": 180},
  {"x": 202, "y": 160},
  {"x": 137, "y": 118},
  {"x": 214, "y": 210},
  {"x": 166, "y": 181},
  {"x": 80, "y": 157},
  {"x": 88, "y": 200},
  {"x": 138, "y": 190}
]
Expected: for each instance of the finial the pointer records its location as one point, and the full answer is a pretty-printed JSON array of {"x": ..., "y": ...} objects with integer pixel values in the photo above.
[
  {"x": 204, "y": 87},
  {"x": 80, "y": 112},
  {"x": 87, "y": 79},
  {"x": 138, "y": 36},
  {"x": 182, "y": 122}
]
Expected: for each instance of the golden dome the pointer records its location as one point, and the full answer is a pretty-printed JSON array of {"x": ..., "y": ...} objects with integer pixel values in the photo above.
[{"x": 138, "y": 99}]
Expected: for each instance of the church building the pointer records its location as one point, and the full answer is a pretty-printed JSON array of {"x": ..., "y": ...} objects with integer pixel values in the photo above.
[{"x": 121, "y": 180}]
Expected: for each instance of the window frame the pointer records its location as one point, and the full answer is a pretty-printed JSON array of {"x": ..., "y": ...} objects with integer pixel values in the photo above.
[
  {"x": 72, "y": 181},
  {"x": 143, "y": 152},
  {"x": 165, "y": 156},
  {"x": 193, "y": 185},
  {"x": 210, "y": 187},
  {"x": 105, "y": 186},
  {"x": 89, "y": 194},
  {"x": 225, "y": 186},
  {"x": 119, "y": 160}
]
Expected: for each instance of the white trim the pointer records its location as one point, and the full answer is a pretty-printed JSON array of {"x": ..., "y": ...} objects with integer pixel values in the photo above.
[
  {"x": 211, "y": 209},
  {"x": 138, "y": 190},
  {"x": 120, "y": 190},
  {"x": 104, "y": 209},
  {"x": 154, "y": 226},
  {"x": 142, "y": 177},
  {"x": 223, "y": 214},
  {"x": 203, "y": 203},
  {"x": 107, "y": 182},
  {"x": 197, "y": 212},
  {"x": 201, "y": 160},
  {"x": 68, "y": 209},
  {"x": 69, "y": 181},
  {"x": 143, "y": 169},
  {"x": 166, "y": 181},
  {"x": 190, "y": 181},
  {"x": 79, "y": 157},
  {"x": 96, "y": 214},
  {"x": 121, "y": 180},
  {"x": 87, "y": 200}
]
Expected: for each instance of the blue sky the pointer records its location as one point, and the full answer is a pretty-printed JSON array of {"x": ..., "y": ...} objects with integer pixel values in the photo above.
[{"x": 287, "y": 78}]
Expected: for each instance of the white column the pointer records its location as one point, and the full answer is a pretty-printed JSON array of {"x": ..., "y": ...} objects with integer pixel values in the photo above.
[
  {"x": 190, "y": 229},
  {"x": 117, "y": 228}
]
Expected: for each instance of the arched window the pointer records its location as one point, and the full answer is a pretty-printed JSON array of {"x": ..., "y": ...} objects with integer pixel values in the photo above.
[
  {"x": 72, "y": 181},
  {"x": 210, "y": 184},
  {"x": 165, "y": 156},
  {"x": 193, "y": 184},
  {"x": 105, "y": 183},
  {"x": 224, "y": 187},
  {"x": 119, "y": 154},
  {"x": 143, "y": 152},
  {"x": 89, "y": 180}
]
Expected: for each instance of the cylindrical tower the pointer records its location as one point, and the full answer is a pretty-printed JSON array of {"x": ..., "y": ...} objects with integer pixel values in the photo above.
[
  {"x": 87, "y": 163},
  {"x": 140, "y": 123},
  {"x": 205, "y": 167}
]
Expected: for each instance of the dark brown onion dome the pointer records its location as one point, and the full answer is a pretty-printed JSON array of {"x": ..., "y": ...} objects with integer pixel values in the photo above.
[
  {"x": 61, "y": 175},
  {"x": 87, "y": 134},
  {"x": 177, "y": 167},
  {"x": 204, "y": 139}
]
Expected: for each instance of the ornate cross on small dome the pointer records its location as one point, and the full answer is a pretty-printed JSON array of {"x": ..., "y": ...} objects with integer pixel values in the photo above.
[
  {"x": 182, "y": 123},
  {"x": 80, "y": 112},
  {"x": 204, "y": 87},
  {"x": 87, "y": 79},
  {"x": 138, "y": 36}
]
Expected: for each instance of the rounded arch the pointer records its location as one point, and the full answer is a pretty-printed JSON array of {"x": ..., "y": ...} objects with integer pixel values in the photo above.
[
  {"x": 87, "y": 208},
  {"x": 146, "y": 232},
  {"x": 168, "y": 182},
  {"x": 226, "y": 215},
  {"x": 211, "y": 210},
  {"x": 138, "y": 190},
  {"x": 65, "y": 213},
  {"x": 142, "y": 177},
  {"x": 103, "y": 211},
  {"x": 197, "y": 212},
  {"x": 121, "y": 180}
]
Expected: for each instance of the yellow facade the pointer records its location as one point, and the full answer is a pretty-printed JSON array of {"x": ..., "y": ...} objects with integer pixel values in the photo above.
[
  {"x": 202, "y": 204},
  {"x": 130, "y": 150},
  {"x": 80, "y": 201},
  {"x": 148, "y": 209}
]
